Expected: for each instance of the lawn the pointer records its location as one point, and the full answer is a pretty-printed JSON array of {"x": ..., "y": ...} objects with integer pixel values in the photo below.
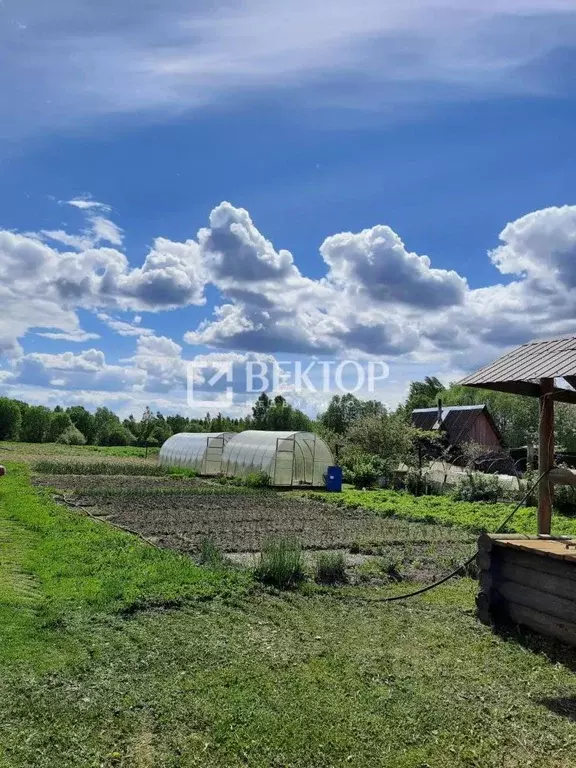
[
  {"x": 477, "y": 517},
  {"x": 115, "y": 653},
  {"x": 10, "y": 451}
]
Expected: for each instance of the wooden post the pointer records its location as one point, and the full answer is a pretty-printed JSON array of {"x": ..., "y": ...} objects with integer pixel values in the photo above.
[{"x": 545, "y": 454}]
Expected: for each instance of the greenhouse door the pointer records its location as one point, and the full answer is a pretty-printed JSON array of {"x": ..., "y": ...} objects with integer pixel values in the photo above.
[
  {"x": 284, "y": 464},
  {"x": 308, "y": 452},
  {"x": 213, "y": 456}
]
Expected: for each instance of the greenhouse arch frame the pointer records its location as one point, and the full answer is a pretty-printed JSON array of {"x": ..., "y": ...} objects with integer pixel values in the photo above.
[
  {"x": 288, "y": 458},
  {"x": 200, "y": 451}
]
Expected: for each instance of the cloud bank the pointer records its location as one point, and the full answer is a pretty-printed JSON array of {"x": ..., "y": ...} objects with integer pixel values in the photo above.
[{"x": 377, "y": 298}]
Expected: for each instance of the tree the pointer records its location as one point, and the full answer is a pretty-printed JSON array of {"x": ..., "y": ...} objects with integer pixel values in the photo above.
[
  {"x": 115, "y": 434},
  {"x": 59, "y": 423},
  {"x": 345, "y": 410},
  {"x": 177, "y": 423},
  {"x": 10, "y": 419},
  {"x": 104, "y": 421},
  {"x": 35, "y": 424},
  {"x": 84, "y": 421},
  {"x": 423, "y": 394},
  {"x": 260, "y": 411}
]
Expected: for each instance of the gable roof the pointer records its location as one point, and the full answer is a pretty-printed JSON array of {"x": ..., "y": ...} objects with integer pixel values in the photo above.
[{"x": 456, "y": 419}]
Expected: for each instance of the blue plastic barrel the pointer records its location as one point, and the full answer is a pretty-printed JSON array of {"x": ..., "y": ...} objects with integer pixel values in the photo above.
[{"x": 334, "y": 479}]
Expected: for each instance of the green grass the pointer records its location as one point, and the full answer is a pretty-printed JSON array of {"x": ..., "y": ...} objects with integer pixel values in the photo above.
[
  {"x": 67, "y": 467},
  {"x": 477, "y": 517},
  {"x": 64, "y": 563},
  {"x": 9, "y": 449},
  {"x": 281, "y": 563},
  {"x": 99, "y": 671}
]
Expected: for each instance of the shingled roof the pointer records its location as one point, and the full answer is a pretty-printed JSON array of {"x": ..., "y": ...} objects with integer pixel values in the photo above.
[{"x": 457, "y": 420}]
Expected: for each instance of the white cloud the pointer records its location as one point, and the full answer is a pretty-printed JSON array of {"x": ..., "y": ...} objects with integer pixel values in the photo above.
[
  {"x": 78, "y": 336},
  {"x": 86, "y": 203},
  {"x": 377, "y": 299},
  {"x": 42, "y": 286},
  {"x": 122, "y": 328},
  {"x": 375, "y": 263}
]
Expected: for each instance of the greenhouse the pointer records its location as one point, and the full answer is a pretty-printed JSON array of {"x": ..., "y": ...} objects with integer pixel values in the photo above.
[
  {"x": 200, "y": 451},
  {"x": 289, "y": 458}
]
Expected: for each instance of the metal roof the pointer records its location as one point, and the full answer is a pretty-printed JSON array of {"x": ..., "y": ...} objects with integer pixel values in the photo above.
[
  {"x": 457, "y": 420},
  {"x": 446, "y": 408},
  {"x": 520, "y": 370}
]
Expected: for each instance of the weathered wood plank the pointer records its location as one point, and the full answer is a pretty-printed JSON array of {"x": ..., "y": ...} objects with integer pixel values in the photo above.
[
  {"x": 565, "y": 569},
  {"x": 545, "y": 582},
  {"x": 538, "y": 600},
  {"x": 564, "y": 631},
  {"x": 483, "y": 560},
  {"x": 545, "y": 454},
  {"x": 487, "y": 540}
]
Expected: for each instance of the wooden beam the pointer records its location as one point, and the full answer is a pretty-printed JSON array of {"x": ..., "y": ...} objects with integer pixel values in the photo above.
[{"x": 546, "y": 454}]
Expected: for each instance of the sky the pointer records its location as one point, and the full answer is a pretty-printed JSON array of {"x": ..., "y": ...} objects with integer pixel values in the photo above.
[{"x": 338, "y": 196}]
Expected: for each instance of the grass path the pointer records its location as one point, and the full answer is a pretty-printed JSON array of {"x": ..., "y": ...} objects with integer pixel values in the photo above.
[{"x": 101, "y": 672}]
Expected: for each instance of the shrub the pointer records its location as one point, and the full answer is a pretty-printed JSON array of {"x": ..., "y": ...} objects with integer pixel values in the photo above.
[
  {"x": 565, "y": 500},
  {"x": 210, "y": 554},
  {"x": 363, "y": 470},
  {"x": 478, "y": 487},
  {"x": 281, "y": 563},
  {"x": 331, "y": 568},
  {"x": 71, "y": 436},
  {"x": 116, "y": 434},
  {"x": 258, "y": 479}
]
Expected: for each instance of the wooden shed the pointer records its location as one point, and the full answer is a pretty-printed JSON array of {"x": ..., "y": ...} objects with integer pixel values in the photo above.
[{"x": 461, "y": 424}]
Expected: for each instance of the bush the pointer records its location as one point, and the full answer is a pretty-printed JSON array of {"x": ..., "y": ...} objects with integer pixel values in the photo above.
[
  {"x": 258, "y": 479},
  {"x": 210, "y": 554},
  {"x": 478, "y": 487},
  {"x": 71, "y": 436},
  {"x": 331, "y": 568},
  {"x": 565, "y": 500},
  {"x": 116, "y": 434},
  {"x": 363, "y": 470},
  {"x": 281, "y": 563}
]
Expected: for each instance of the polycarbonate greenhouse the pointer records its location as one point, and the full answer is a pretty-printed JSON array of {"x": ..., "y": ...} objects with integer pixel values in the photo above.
[
  {"x": 201, "y": 451},
  {"x": 289, "y": 458}
]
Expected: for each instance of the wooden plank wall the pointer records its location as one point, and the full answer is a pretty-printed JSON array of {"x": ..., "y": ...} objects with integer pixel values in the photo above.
[
  {"x": 482, "y": 433},
  {"x": 527, "y": 589}
]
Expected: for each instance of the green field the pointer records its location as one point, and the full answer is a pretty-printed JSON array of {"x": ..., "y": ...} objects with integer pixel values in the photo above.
[
  {"x": 473, "y": 516},
  {"x": 115, "y": 653}
]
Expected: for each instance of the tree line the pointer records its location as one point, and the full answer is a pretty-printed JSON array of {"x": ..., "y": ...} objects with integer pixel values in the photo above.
[
  {"x": 360, "y": 432},
  {"x": 76, "y": 425}
]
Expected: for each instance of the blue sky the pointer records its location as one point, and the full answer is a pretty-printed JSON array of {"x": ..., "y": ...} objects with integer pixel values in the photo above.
[{"x": 257, "y": 181}]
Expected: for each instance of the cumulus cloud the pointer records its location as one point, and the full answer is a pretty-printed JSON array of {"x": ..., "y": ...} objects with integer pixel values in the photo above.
[
  {"x": 376, "y": 299},
  {"x": 235, "y": 251},
  {"x": 540, "y": 246},
  {"x": 42, "y": 286},
  {"x": 375, "y": 262}
]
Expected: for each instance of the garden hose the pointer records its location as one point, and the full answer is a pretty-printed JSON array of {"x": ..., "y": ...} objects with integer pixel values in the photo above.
[{"x": 463, "y": 565}]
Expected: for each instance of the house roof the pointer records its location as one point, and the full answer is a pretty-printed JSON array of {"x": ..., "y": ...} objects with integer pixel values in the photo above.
[
  {"x": 520, "y": 370},
  {"x": 456, "y": 419}
]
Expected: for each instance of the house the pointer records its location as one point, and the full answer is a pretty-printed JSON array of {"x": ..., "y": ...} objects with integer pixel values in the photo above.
[{"x": 461, "y": 424}]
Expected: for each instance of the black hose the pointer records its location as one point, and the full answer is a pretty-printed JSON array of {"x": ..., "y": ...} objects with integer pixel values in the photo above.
[{"x": 463, "y": 565}]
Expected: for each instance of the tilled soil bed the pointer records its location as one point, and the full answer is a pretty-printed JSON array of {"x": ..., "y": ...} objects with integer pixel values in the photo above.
[{"x": 179, "y": 513}]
